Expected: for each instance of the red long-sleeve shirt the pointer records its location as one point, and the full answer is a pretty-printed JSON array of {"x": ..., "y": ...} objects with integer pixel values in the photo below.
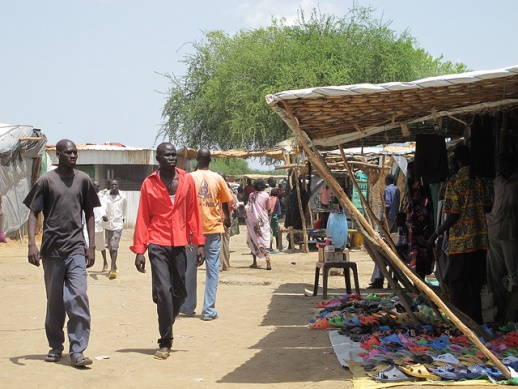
[{"x": 161, "y": 223}]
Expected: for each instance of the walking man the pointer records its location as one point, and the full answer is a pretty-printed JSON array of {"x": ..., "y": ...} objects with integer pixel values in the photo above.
[
  {"x": 63, "y": 195},
  {"x": 116, "y": 205},
  {"x": 212, "y": 192},
  {"x": 167, "y": 216},
  {"x": 391, "y": 198}
]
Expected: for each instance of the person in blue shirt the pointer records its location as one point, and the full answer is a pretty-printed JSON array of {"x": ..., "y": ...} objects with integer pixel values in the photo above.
[{"x": 391, "y": 198}]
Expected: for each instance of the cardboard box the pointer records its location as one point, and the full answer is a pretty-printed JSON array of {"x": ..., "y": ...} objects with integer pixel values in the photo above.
[{"x": 335, "y": 256}]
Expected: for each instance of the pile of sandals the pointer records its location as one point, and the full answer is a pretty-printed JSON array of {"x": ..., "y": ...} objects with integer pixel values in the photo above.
[{"x": 395, "y": 350}]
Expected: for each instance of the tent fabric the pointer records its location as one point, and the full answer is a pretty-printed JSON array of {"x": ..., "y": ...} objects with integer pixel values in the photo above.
[{"x": 19, "y": 146}]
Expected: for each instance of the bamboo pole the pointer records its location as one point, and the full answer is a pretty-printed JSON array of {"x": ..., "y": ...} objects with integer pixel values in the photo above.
[
  {"x": 374, "y": 219},
  {"x": 347, "y": 204}
]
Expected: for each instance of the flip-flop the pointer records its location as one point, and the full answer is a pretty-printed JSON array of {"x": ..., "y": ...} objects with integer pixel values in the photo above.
[
  {"x": 53, "y": 356},
  {"x": 376, "y": 369},
  {"x": 321, "y": 324},
  {"x": 493, "y": 372},
  {"x": 419, "y": 371},
  {"x": 79, "y": 360},
  {"x": 448, "y": 358},
  {"x": 337, "y": 321},
  {"x": 470, "y": 360},
  {"x": 253, "y": 266},
  {"x": 473, "y": 372},
  {"x": 391, "y": 374},
  {"x": 162, "y": 355},
  {"x": 112, "y": 275},
  {"x": 447, "y": 372}
]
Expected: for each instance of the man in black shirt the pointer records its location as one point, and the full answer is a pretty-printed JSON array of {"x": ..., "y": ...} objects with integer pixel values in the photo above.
[{"x": 63, "y": 195}]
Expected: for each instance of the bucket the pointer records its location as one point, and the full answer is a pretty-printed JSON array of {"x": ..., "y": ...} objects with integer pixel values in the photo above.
[{"x": 337, "y": 229}]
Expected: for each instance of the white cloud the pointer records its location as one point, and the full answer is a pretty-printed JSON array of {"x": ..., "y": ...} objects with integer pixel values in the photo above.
[{"x": 259, "y": 14}]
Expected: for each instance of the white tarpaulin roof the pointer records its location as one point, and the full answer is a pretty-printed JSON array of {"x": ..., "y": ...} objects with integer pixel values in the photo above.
[{"x": 19, "y": 145}]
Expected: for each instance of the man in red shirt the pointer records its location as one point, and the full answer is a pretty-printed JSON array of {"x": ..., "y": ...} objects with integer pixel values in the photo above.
[{"x": 168, "y": 219}]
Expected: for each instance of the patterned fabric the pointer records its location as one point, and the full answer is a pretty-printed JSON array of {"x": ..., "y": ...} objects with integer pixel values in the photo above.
[
  {"x": 468, "y": 198},
  {"x": 420, "y": 222},
  {"x": 258, "y": 225}
]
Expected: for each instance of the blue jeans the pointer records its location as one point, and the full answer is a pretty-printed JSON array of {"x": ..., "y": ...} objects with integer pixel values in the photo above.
[
  {"x": 65, "y": 283},
  {"x": 212, "y": 255}
]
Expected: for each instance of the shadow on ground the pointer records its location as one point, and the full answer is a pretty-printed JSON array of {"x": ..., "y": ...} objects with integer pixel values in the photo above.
[{"x": 306, "y": 355}]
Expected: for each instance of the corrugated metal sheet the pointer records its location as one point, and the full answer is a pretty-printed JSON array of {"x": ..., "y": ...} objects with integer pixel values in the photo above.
[
  {"x": 116, "y": 156},
  {"x": 133, "y": 198}
]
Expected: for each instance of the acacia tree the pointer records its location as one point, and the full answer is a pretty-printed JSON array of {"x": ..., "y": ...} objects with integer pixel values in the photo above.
[{"x": 221, "y": 100}]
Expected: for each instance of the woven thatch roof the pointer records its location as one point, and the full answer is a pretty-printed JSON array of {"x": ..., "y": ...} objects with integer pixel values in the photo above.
[
  {"x": 368, "y": 114},
  {"x": 278, "y": 152}
]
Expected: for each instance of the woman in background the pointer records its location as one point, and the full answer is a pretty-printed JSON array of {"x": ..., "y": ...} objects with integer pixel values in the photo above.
[{"x": 258, "y": 225}]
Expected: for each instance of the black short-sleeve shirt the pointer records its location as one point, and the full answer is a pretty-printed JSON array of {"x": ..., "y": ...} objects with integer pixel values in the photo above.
[{"x": 62, "y": 200}]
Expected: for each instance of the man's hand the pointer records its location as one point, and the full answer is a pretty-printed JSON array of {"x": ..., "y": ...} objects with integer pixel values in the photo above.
[
  {"x": 200, "y": 256},
  {"x": 90, "y": 256},
  {"x": 227, "y": 223},
  {"x": 431, "y": 240},
  {"x": 34, "y": 255},
  {"x": 140, "y": 263}
]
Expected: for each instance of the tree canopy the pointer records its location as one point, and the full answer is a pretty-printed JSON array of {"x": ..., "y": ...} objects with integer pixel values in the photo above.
[{"x": 220, "y": 101}]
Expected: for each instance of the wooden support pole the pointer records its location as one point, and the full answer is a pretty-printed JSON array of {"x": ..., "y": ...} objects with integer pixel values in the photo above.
[
  {"x": 374, "y": 219},
  {"x": 369, "y": 233}
]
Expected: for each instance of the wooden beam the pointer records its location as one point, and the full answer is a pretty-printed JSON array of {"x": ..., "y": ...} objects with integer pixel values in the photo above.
[{"x": 371, "y": 236}]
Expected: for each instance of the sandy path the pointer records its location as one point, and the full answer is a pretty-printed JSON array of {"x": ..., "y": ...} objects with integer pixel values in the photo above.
[{"x": 261, "y": 337}]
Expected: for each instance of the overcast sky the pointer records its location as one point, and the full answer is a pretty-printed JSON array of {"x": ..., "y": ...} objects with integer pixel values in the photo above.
[{"x": 89, "y": 70}]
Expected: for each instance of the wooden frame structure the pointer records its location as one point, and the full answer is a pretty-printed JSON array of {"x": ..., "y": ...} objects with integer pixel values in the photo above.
[{"x": 369, "y": 114}]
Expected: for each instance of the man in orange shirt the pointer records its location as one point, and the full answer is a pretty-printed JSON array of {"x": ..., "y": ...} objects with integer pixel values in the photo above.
[
  {"x": 212, "y": 191},
  {"x": 168, "y": 218}
]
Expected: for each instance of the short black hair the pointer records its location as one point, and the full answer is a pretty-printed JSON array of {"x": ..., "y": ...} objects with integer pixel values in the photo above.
[{"x": 259, "y": 185}]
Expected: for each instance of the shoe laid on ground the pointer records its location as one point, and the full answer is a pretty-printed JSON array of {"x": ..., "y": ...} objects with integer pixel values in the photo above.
[
  {"x": 79, "y": 360},
  {"x": 274, "y": 252},
  {"x": 209, "y": 318}
]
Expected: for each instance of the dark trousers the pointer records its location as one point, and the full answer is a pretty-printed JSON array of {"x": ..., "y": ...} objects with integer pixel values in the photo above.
[
  {"x": 168, "y": 265},
  {"x": 465, "y": 276}
]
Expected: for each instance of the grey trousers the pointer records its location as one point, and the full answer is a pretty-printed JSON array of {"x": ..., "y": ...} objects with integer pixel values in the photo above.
[
  {"x": 191, "y": 279},
  {"x": 168, "y": 284},
  {"x": 503, "y": 261},
  {"x": 65, "y": 283}
]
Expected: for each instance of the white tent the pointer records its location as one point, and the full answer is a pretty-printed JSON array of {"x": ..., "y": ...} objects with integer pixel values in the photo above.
[{"x": 20, "y": 145}]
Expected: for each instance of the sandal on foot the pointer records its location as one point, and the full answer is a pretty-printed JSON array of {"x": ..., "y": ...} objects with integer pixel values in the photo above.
[
  {"x": 253, "y": 266},
  {"x": 162, "y": 355},
  {"x": 79, "y": 360},
  {"x": 113, "y": 275},
  {"x": 53, "y": 356}
]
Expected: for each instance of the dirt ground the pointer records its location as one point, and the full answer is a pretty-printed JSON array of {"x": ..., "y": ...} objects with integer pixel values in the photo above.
[{"x": 261, "y": 338}]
